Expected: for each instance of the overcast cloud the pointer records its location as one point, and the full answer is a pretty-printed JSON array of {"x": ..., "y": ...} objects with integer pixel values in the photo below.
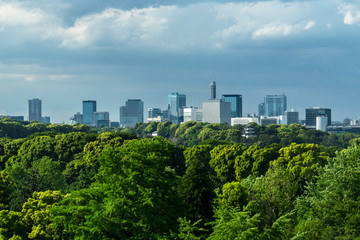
[{"x": 64, "y": 52}]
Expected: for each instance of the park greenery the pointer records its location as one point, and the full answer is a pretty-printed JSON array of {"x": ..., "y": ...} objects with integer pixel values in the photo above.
[{"x": 192, "y": 181}]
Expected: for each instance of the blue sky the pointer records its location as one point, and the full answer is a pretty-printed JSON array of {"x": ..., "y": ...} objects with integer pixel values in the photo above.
[{"x": 64, "y": 52}]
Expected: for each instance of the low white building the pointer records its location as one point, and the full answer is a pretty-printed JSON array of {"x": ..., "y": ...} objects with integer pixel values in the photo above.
[{"x": 244, "y": 120}]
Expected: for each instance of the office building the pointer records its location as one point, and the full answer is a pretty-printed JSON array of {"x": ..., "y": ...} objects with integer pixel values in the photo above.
[
  {"x": 115, "y": 124},
  {"x": 132, "y": 113},
  {"x": 102, "y": 119},
  {"x": 35, "y": 110},
  {"x": 292, "y": 117},
  {"x": 89, "y": 107},
  {"x": 275, "y": 105},
  {"x": 216, "y": 111},
  {"x": 261, "y": 109},
  {"x": 176, "y": 103},
  {"x": 312, "y": 113},
  {"x": 192, "y": 114},
  {"x": 18, "y": 118},
  {"x": 235, "y": 101},
  {"x": 154, "y": 112},
  {"x": 45, "y": 119},
  {"x": 213, "y": 90},
  {"x": 244, "y": 120},
  {"x": 78, "y": 117}
]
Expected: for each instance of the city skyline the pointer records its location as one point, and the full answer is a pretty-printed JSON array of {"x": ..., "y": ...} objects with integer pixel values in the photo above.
[{"x": 65, "y": 52}]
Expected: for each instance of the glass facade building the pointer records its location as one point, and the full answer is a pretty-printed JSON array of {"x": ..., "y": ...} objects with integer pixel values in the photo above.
[
  {"x": 35, "y": 110},
  {"x": 312, "y": 113},
  {"x": 176, "y": 103},
  {"x": 132, "y": 112},
  {"x": 89, "y": 107},
  {"x": 275, "y": 105},
  {"x": 235, "y": 101}
]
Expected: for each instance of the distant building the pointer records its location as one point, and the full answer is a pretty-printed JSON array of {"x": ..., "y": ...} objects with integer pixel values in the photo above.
[
  {"x": 244, "y": 121},
  {"x": 321, "y": 123},
  {"x": 275, "y": 105},
  {"x": 115, "y": 124},
  {"x": 102, "y": 119},
  {"x": 312, "y": 113},
  {"x": 78, "y": 117},
  {"x": 213, "y": 90},
  {"x": 154, "y": 112},
  {"x": 235, "y": 101},
  {"x": 176, "y": 103},
  {"x": 45, "y": 119},
  {"x": 132, "y": 112},
  {"x": 292, "y": 117},
  {"x": 192, "y": 114},
  {"x": 18, "y": 118},
  {"x": 249, "y": 131},
  {"x": 35, "y": 110},
  {"x": 264, "y": 121},
  {"x": 156, "y": 119},
  {"x": 216, "y": 111},
  {"x": 261, "y": 109},
  {"x": 89, "y": 107}
]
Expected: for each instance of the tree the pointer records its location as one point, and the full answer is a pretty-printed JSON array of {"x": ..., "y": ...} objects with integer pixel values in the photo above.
[
  {"x": 37, "y": 216},
  {"x": 198, "y": 184},
  {"x": 223, "y": 160},
  {"x": 331, "y": 210},
  {"x": 134, "y": 196}
]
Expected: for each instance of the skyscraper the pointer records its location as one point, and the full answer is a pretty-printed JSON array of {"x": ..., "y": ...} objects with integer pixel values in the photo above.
[
  {"x": 216, "y": 111},
  {"x": 102, "y": 119},
  {"x": 213, "y": 90},
  {"x": 132, "y": 112},
  {"x": 235, "y": 101},
  {"x": 35, "y": 110},
  {"x": 312, "y": 113},
  {"x": 292, "y": 117},
  {"x": 176, "y": 103},
  {"x": 275, "y": 105},
  {"x": 261, "y": 109},
  {"x": 89, "y": 107}
]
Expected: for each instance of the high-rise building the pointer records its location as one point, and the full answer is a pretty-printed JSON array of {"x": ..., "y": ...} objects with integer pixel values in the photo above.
[
  {"x": 275, "y": 105},
  {"x": 89, "y": 107},
  {"x": 216, "y": 111},
  {"x": 154, "y": 112},
  {"x": 78, "y": 117},
  {"x": 312, "y": 113},
  {"x": 176, "y": 103},
  {"x": 102, "y": 119},
  {"x": 35, "y": 110},
  {"x": 292, "y": 117},
  {"x": 213, "y": 90},
  {"x": 261, "y": 109},
  {"x": 235, "y": 101},
  {"x": 132, "y": 112}
]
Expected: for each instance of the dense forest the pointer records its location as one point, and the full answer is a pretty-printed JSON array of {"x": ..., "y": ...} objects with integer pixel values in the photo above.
[{"x": 192, "y": 181}]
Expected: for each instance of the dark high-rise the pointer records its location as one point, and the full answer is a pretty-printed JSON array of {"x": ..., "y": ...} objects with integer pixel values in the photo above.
[
  {"x": 235, "y": 101},
  {"x": 312, "y": 113},
  {"x": 35, "y": 110},
  {"x": 89, "y": 107},
  {"x": 132, "y": 112}
]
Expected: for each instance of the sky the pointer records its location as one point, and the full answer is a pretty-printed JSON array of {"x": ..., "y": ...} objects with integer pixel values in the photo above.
[{"x": 64, "y": 52}]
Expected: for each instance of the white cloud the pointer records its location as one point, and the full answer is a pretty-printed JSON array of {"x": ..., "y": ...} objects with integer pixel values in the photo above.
[
  {"x": 278, "y": 30},
  {"x": 115, "y": 26},
  {"x": 13, "y": 14},
  {"x": 352, "y": 18}
]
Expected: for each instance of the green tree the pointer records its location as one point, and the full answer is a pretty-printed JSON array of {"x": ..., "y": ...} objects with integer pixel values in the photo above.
[
  {"x": 36, "y": 215},
  {"x": 223, "y": 160},
  {"x": 198, "y": 183},
  {"x": 134, "y": 196}
]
